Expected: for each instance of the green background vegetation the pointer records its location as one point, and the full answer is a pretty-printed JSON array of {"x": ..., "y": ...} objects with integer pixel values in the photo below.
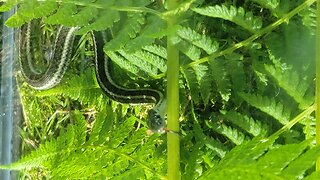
[{"x": 240, "y": 82}]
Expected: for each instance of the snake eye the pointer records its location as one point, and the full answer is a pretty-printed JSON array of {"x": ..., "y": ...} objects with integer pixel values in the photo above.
[{"x": 155, "y": 122}]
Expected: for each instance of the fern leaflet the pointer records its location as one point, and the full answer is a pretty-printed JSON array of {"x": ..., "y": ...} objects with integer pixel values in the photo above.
[
  {"x": 246, "y": 123},
  {"x": 200, "y": 40},
  {"x": 237, "y": 15},
  {"x": 269, "y": 106}
]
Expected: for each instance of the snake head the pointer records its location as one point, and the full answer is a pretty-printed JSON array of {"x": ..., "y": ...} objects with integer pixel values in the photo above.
[{"x": 156, "y": 122}]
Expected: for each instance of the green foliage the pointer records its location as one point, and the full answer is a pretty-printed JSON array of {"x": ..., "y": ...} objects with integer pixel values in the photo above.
[
  {"x": 295, "y": 86},
  {"x": 269, "y": 4},
  {"x": 237, "y": 15},
  {"x": 248, "y": 124},
  {"x": 255, "y": 164},
  {"x": 240, "y": 82},
  {"x": 83, "y": 88},
  {"x": 199, "y": 40},
  {"x": 105, "y": 153},
  {"x": 269, "y": 106},
  {"x": 309, "y": 18}
]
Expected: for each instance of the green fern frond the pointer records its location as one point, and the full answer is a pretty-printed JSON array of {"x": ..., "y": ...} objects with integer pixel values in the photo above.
[
  {"x": 154, "y": 59},
  {"x": 157, "y": 50},
  {"x": 100, "y": 132},
  {"x": 229, "y": 132},
  {"x": 123, "y": 63},
  {"x": 192, "y": 84},
  {"x": 314, "y": 176},
  {"x": 279, "y": 157},
  {"x": 155, "y": 28},
  {"x": 83, "y": 88},
  {"x": 221, "y": 77},
  {"x": 122, "y": 132},
  {"x": 309, "y": 18},
  {"x": 88, "y": 15},
  {"x": 305, "y": 161},
  {"x": 270, "y": 106},
  {"x": 242, "y": 172},
  {"x": 287, "y": 47},
  {"x": 200, "y": 40},
  {"x": 106, "y": 20},
  {"x": 209, "y": 142},
  {"x": 203, "y": 81},
  {"x": 247, "y": 152},
  {"x": 269, "y": 4},
  {"x": 9, "y": 4},
  {"x": 44, "y": 157},
  {"x": 77, "y": 17},
  {"x": 235, "y": 68},
  {"x": 291, "y": 82},
  {"x": 246, "y": 123},
  {"x": 79, "y": 128},
  {"x": 135, "y": 140},
  {"x": 205, "y": 85},
  {"x": 198, "y": 83},
  {"x": 309, "y": 128},
  {"x": 70, "y": 155},
  {"x": 189, "y": 50},
  {"x": 249, "y": 161},
  {"x": 29, "y": 10},
  {"x": 236, "y": 15},
  {"x": 141, "y": 63},
  {"x": 192, "y": 157},
  {"x": 131, "y": 26}
]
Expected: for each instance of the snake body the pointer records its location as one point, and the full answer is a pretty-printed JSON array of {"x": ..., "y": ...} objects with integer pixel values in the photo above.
[{"x": 58, "y": 63}]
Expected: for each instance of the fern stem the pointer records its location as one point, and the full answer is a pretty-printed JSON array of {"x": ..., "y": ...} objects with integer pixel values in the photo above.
[
  {"x": 173, "y": 100},
  {"x": 263, "y": 31},
  {"x": 295, "y": 120},
  {"x": 317, "y": 103}
]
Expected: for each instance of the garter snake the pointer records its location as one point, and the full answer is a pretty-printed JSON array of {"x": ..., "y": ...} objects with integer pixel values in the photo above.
[{"x": 59, "y": 60}]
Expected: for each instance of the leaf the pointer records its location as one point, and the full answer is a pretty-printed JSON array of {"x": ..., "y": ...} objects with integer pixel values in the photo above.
[
  {"x": 157, "y": 50},
  {"x": 83, "y": 88},
  {"x": 139, "y": 62},
  {"x": 128, "y": 31},
  {"x": 9, "y": 4},
  {"x": 123, "y": 131},
  {"x": 278, "y": 158},
  {"x": 291, "y": 82},
  {"x": 200, "y": 40},
  {"x": 246, "y": 123},
  {"x": 209, "y": 142},
  {"x": 269, "y": 4},
  {"x": 105, "y": 20},
  {"x": 269, "y": 106},
  {"x": 303, "y": 163},
  {"x": 237, "y": 15},
  {"x": 233, "y": 134},
  {"x": 221, "y": 77},
  {"x": 154, "y": 59},
  {"x": 189, "y": 50},
  {"x": 31, "y": 10},
  {"x": 155, "y": 28}
]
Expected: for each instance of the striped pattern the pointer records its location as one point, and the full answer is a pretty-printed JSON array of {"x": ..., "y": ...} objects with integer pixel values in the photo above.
[{"x": 58, "y": 64}]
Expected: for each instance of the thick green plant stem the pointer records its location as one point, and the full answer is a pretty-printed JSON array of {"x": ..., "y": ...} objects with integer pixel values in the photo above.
[
  {"x": 173, "y": 101},
  {"x": 318, "y": 82}
]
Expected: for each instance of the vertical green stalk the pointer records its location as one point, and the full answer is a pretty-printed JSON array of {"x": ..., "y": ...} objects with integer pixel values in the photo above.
[
  {"x": 173, "y": 101},
  {"x": 318, "y": 82}
]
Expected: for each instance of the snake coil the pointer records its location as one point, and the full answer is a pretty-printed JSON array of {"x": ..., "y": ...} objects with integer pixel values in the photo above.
[{"x": 58, "y": 63}]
